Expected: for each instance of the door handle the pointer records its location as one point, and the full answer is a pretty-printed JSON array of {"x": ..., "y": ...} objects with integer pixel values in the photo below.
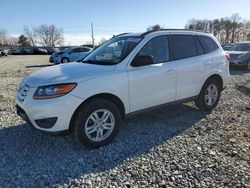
[{"x": 170, "y": 71}]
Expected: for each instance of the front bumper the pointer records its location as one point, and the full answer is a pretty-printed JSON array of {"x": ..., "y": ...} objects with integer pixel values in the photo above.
[{"x": 56, "y": 112}]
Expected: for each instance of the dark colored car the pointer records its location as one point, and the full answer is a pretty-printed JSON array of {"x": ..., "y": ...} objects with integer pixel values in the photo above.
[
  {"x": 40, "y": 51},
  {"x": 240, "y": 55},
  {"x": 51, "y": 50}
]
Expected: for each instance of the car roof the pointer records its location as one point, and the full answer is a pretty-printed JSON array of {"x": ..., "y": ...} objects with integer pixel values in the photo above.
[{"x": 165, "y": 31}]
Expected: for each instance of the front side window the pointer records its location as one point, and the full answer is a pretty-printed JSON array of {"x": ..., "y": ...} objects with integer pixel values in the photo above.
[
  {"x": 183, "y": 46},
  {"x": 113, "y": 51},
  {"x": 157, "y": 48}
]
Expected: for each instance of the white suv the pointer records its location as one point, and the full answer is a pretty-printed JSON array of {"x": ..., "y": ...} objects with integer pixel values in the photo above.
[{"x": 126, "y": 74}]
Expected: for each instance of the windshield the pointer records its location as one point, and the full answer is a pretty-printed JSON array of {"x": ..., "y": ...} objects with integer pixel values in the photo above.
[
  {"x": 240, "y": 47},
  {"x": 113, "y": 51}
]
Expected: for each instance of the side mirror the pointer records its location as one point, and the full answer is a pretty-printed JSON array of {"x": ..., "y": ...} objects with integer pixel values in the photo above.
[{"x": 142, "y": 60}]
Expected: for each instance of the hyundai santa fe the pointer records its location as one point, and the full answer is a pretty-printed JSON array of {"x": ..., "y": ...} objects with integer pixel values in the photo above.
[{"x": 126, "y": 74}]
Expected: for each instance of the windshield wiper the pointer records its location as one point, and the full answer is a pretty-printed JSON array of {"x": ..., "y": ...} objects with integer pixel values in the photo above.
[{"x": 98, "y": 62}]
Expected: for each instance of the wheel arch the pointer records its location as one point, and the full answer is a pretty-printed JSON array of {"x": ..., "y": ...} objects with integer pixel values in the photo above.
[
  {"x": 110, "y": 97},
  {"x": 216, "y": 77}
]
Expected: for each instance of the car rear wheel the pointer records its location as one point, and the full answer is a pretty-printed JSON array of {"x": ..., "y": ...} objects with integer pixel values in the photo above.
[
  {"x": 209, "y": 95},
  {"x": 97, "y": 123},
  {"x": 65, "y": 60}
]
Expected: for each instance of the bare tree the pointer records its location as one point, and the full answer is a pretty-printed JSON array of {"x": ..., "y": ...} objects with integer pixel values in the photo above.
[
  {"x": 3, "y": 36},
  {"x": 30, "y": 34},
  {"x": 235, "y": 19},
  {"x": 102, "y": 40},
  {"x": 227, "y": 30},
  {"x": 49, "y": 35},
  {"x": 11, "y": 41}
]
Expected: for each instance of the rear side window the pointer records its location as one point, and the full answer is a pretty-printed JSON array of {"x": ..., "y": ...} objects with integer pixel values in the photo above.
[
  {"x": 183, "y": 46},
  {"x": 157, "y": 48},
  {"x": 76, "y": 50},
  {"x": 84, "y": 49},
  {"x": 208, "y": 44}
]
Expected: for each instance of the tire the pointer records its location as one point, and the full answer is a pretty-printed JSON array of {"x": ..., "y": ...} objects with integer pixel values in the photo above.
[
  {"x": 65, "y": 60},
  {"x": 205, "y": 101},
  {"x": 86, "y": 129}
]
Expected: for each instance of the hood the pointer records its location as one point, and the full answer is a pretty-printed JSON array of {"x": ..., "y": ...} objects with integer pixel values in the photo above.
[{"x": 66, "y": 73}]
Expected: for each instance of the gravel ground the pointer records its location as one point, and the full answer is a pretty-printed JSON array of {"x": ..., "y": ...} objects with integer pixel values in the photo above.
[{"x": 177, "y": 146}]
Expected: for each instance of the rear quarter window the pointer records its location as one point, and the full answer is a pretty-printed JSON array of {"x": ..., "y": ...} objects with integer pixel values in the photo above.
[{"x": 208, "y": 44}]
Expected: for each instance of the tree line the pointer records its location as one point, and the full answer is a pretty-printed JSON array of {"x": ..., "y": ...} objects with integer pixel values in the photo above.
[
  {"x": 45, "y": 35},
  {"x": 227, "y": 30}
]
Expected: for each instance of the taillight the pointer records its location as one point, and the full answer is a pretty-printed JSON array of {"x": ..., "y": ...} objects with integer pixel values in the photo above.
[{"x": 228, "y": 56}]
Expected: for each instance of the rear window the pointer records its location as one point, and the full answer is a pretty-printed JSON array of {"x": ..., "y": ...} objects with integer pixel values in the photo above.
[
  {"x": 208, "y": 44},
  {"x": 183, "y": 46}
]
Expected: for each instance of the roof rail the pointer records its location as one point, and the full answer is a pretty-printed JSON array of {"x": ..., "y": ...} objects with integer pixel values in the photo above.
[
  {"x": 151, "y": 31},
  {"x": 119, "y": 35}
]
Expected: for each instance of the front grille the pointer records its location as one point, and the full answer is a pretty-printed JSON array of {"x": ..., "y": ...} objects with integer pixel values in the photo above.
[{"x": 22, "y": 91}]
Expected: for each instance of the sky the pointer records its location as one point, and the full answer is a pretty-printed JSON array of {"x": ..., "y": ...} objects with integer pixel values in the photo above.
[{"x": 111, "y": 17}]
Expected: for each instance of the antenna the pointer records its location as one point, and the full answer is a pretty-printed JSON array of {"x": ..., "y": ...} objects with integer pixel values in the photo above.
[{"x": 92, "y": 34}]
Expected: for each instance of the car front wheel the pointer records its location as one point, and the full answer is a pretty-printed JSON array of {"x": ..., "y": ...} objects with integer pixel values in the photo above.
[
  {"x": 97, "y": 123},
  {"x": 209, "y": 95},
  {"x": 65, "y": 60}
]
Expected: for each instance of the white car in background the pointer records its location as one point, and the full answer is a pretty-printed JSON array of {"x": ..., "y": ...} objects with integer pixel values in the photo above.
[
  {"x": 70, "y": 55},
  {"x": 127, "y": 74}
]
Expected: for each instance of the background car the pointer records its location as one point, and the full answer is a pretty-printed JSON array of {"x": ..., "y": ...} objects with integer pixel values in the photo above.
[
  {"x": 51, "y": 50},
  {"x": 3, "y": 52},
  {"x": 16, "y": 51},
  {"x": 70, "y": 54},
  {"x": 240, "y": 55},
  {"x": 40, "y": 51}
]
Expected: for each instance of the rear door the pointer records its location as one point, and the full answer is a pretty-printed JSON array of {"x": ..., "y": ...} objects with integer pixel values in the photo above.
[
  {"x": 192, "y": 64},
  {"x": 84, "y": 52},
  {"x": 75, "y": 54}
]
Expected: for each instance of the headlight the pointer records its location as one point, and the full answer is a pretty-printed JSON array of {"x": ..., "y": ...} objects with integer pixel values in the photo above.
[{"x": 52, "y": 91}]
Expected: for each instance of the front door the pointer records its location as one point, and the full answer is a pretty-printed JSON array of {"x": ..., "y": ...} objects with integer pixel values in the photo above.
[{"x": 154, "y": 84}]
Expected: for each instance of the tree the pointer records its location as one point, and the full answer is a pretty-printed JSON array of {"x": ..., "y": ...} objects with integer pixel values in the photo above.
[
  {"x": 46, "y": 35},
  {"x": 3, "y": 36},
  {"x": 23, "y": 41},
  {"x": 235, "y": 18},
  {"x": 102, "y": 40},
  {"x": 227, "y": 30},
  {"x": 49, "y": 35},
  {"x": 30, "y": 35},
  {"x": 154, "y": 27}
]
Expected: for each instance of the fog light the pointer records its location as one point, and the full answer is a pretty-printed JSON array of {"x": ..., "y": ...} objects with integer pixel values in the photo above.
[{"x": 46, "y": 123}]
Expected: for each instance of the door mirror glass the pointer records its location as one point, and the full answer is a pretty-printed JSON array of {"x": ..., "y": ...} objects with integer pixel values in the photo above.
[{"x": 142, "y": 60}]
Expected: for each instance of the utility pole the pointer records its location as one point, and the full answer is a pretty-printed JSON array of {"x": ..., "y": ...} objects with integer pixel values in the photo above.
[{"x": 92, "y": 34}]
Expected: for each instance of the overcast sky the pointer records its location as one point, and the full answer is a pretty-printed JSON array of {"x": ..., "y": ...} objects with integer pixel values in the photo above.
[{"x": 112, "y": 16}]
